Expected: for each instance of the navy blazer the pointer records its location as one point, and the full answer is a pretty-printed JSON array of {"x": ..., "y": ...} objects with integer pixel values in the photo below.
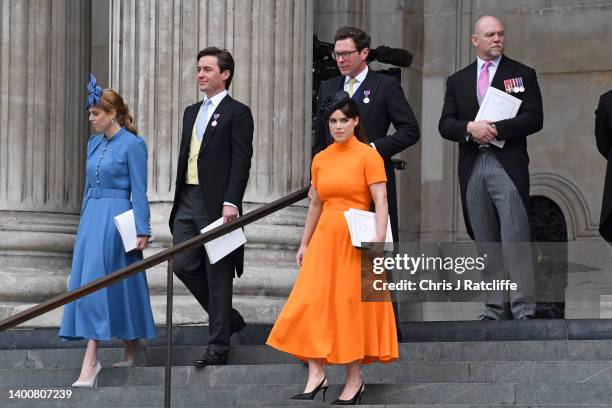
[{"x": 461, "y": 106}]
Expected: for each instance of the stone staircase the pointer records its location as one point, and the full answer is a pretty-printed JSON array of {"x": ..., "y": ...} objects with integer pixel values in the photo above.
[
  {"x": 505, "y": 364},
  {"x": 270, "y": 270}
]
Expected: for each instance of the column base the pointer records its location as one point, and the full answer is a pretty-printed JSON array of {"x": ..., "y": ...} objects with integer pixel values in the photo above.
[{"x": 35, "y": 254}]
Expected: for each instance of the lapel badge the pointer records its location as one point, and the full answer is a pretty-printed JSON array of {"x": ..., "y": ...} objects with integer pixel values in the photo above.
[
  {"x": 366, "y": 95},
  {"x": 215, "y": 117}
]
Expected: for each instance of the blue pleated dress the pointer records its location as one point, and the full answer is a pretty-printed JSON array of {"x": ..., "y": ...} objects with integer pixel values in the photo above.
[{"x": 116, "y": 172}]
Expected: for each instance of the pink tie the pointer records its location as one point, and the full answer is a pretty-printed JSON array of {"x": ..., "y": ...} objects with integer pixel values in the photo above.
[{"x": 483, "y": 79}]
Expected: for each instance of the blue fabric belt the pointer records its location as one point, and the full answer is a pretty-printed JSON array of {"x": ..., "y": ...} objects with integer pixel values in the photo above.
[{"x": 108, "y": 193}]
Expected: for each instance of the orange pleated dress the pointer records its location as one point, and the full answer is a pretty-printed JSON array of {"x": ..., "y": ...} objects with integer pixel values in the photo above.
[{"x": 324, "y": 317}]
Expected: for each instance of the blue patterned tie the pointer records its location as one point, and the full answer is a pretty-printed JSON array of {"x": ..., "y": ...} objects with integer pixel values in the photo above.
[{"x": 202, "y": 119}]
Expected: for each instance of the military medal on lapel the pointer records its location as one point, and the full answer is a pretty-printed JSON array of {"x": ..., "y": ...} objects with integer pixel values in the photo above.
[
  {"x": 215, "y": 117},
  {"x": 508, "y": 86},
  {"x": 514, "y": 85},
  {"x": 366, "y": 95}
]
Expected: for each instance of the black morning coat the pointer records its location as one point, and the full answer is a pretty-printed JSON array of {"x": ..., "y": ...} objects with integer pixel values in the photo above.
[
  {"x": 224, "y": 160},
  {"x": 461, "y": 106}
]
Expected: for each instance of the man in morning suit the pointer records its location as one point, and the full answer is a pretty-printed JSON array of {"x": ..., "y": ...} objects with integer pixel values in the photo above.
[
  {"x": 603, "y": 136},
  {"x": 212, "y": 174},
  {"x": 381, "y": 102},
  {"x": 494, "y": 180}
]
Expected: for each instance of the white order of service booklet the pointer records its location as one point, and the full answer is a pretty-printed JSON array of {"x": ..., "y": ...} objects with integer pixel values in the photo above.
[
  {"x": 219, "y": 248},
  {"x": 362, "y": 226},
  {"x": 498, "y": 105},
  {"x": 126, "y": 225}
]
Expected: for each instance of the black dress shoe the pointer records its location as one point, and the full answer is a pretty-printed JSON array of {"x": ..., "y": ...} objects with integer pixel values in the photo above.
[
  {"x": 355, "y": 400},
  {"x": 312, "y": 394},
  {"x": 211, "y": 358}
]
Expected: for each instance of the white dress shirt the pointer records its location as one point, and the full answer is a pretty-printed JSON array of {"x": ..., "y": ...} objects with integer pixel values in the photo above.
[{"x": 215, "y": 100}]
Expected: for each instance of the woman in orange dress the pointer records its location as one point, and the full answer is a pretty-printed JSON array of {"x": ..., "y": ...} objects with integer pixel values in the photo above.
[{"x": 324, "y": 320}]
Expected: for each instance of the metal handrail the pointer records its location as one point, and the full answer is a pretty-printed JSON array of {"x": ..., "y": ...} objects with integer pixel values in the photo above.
[{"x": 148, "y": 263}]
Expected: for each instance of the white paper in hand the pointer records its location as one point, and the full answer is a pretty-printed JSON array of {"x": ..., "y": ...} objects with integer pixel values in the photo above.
[
  {"x": 362, "y": 226},
  {"x": 498, "y": 105},
  {"x": 126, "y": 225},
  {"x": 219, "y": 248}
]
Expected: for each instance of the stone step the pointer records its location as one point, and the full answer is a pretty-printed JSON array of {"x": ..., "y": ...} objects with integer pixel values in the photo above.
[
  {"x": 186, "y": 311},
  {"x": 471, "y": 352},
  {"x": 42, "y": 332},
  {"x": 524, "y": 372},
  {"x": 31, "y": 285},
  {"x": 417, "y": 332},
  {"x": 28, "y": 285},
  {"x": 183, "y": 335},
  {"x": 280, "y": 374},
  {"x": 415, "y": 395},
  {"x": 274, "y": 280}
]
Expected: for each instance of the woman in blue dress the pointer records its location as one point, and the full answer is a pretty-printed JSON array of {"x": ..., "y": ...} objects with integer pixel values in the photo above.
[{"x": 116, "y": 170}]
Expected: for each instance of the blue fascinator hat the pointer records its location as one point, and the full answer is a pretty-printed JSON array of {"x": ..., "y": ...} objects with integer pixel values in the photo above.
[{"x": 94, "y": 92}]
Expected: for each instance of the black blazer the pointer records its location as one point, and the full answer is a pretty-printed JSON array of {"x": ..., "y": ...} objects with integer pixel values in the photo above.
[
  {"x": 387, "y": 104},
  {"x": 224, "y": 160},
  {"x": 461, "y": 106},
  {"x": 603, "y": 136}
]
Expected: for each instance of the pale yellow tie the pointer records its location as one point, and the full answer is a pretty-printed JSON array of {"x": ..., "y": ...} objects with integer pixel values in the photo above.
[{"x": 351, "y": 85}]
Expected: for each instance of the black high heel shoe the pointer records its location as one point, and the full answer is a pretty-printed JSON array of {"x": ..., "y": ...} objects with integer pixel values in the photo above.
[
  {"x": 355, "y": 400},
  {"x": 312, "y": 394}
]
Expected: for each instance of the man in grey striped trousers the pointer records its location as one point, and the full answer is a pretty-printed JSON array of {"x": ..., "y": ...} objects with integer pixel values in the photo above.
[{"x": 494, "y": 165}]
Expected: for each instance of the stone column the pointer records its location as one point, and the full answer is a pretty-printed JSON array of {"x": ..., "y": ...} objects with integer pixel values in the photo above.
[
  {"x": 44, "y": 61},
  {"x": 331, "y": 15},
  {"x": 447, "y": 26},
  {"x": 153, "y": 65}
]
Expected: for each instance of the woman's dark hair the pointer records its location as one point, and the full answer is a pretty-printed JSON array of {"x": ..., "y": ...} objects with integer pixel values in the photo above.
[
  {"x": 225, "y": 61},
  {"x": 351, "y": 111},
  {"x": 343, "y": 102}
]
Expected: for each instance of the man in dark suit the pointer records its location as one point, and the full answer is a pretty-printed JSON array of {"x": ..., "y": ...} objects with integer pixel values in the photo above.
[
  {"x": 212, "y": 174},
  {"x": 494, "y": 180},
  {"x": 603, "y": 136},
  {"x": 381, "y": 103}
]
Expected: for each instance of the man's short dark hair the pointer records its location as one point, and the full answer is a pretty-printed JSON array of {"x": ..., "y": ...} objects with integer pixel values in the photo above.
[
  {"x": 224, "y": 60},
  {"x": 360, "y": 37}
]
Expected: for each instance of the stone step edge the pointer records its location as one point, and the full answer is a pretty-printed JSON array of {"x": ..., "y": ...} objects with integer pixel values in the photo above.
[{"x": 412, "y": 332}]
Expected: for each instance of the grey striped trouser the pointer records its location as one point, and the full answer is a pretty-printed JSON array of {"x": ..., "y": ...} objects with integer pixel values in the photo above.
[{"x": 497, "y": 214}]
